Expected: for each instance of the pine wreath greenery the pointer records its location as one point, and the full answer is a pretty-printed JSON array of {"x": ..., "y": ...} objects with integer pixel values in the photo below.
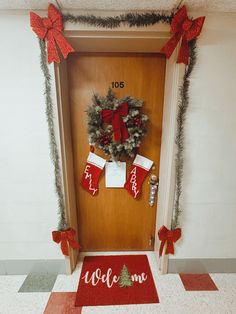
[{"x": 101, "y": 135}]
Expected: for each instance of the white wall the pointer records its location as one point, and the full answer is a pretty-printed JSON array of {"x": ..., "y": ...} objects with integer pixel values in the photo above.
[
  {"x": 28, "y": 208},
  {"x": 209, "y": 198},
  {"x": 27, "y": 199}
]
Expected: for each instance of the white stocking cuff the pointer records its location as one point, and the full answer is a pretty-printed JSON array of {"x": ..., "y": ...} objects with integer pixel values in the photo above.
[
  {"x": 96, "y": 160},
  {"x": 143, "y": 162}
]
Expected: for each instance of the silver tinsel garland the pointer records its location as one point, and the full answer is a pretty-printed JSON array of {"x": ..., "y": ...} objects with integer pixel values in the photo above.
[
  {"x": 179, "y": 140},
  {"x": 130, "y": 19},
  {"x": 62, "y": 224}
]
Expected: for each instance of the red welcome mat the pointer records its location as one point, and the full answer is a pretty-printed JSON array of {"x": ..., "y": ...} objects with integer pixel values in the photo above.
[{"x": 119, "y": 279}]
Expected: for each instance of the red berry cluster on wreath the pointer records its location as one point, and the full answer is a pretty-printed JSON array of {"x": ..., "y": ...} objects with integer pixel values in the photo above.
[
  {"x": 136, "y": 121},
  {"x": 104, "y": 139}
]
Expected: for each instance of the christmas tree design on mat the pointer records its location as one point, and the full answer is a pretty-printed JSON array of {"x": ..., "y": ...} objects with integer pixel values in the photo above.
[{"x": 125, "y": 280}]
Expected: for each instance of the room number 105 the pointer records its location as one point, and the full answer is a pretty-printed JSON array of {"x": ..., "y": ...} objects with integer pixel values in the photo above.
[{"x": 118, "y": 84}]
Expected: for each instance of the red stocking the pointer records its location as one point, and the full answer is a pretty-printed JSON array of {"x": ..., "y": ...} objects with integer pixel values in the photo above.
[
  {"x": 139, "y": 170},
  {"x": 92, "y": 172}
]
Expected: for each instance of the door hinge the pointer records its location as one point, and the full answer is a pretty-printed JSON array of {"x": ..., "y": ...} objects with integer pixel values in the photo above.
[{"x": 151, "y": 240}]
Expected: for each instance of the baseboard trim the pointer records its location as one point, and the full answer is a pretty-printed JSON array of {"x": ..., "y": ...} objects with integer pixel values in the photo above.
[
  {"x": 24, "y": 267},
  {"x": 205, "y": 265}
]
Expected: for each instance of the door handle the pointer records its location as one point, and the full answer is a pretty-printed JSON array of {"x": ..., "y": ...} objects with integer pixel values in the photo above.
[{"x": 154, "y": 183}]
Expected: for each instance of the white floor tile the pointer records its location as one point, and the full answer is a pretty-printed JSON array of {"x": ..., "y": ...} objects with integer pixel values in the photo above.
[
  {"x": 212, "y": 302},
  {"x": 23, "y": 303},
  {"x": 11, "y": 284},
  {"x": 123, "y": 309},
  {"x": 225, "y": 282},
  {"x": 68, "y": 283}
]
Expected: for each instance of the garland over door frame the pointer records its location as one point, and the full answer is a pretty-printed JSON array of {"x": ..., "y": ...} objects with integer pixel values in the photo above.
[{"x": 148, "y": 39}]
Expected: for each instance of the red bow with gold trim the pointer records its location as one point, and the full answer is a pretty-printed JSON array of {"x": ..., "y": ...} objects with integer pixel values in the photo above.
[
  {"x": 115, "y": 117},
  {"x": 66, "y": 237},
  {"x": 184, "y": 28},
  {"x": 50, "y": 29},
  {"x": 169, "y": 236}
]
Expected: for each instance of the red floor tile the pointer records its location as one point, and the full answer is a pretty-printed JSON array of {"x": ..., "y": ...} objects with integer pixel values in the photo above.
[
  {"x": 62, "y": 303},
  {"x": 198, "y": 282}
]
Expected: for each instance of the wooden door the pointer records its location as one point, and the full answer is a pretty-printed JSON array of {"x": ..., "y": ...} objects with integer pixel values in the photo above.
[{"x": 113, "y": 220}]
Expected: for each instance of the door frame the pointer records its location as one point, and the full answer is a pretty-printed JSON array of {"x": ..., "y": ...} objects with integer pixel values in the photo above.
[{"x": 122, "y": 41}]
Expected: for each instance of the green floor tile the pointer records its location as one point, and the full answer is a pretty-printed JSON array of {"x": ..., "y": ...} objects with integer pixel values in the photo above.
[{"x": 38, "y": 283}]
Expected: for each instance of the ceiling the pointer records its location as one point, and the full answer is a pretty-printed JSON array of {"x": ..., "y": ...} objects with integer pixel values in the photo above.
[{"x": 123, "y": 5}]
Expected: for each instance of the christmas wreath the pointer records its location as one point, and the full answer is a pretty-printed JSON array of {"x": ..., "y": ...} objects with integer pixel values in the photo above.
[{"x": 116, "y": 126}]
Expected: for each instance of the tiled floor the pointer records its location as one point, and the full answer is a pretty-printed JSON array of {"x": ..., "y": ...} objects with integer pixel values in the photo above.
[{"x": 174, "y": 299}]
